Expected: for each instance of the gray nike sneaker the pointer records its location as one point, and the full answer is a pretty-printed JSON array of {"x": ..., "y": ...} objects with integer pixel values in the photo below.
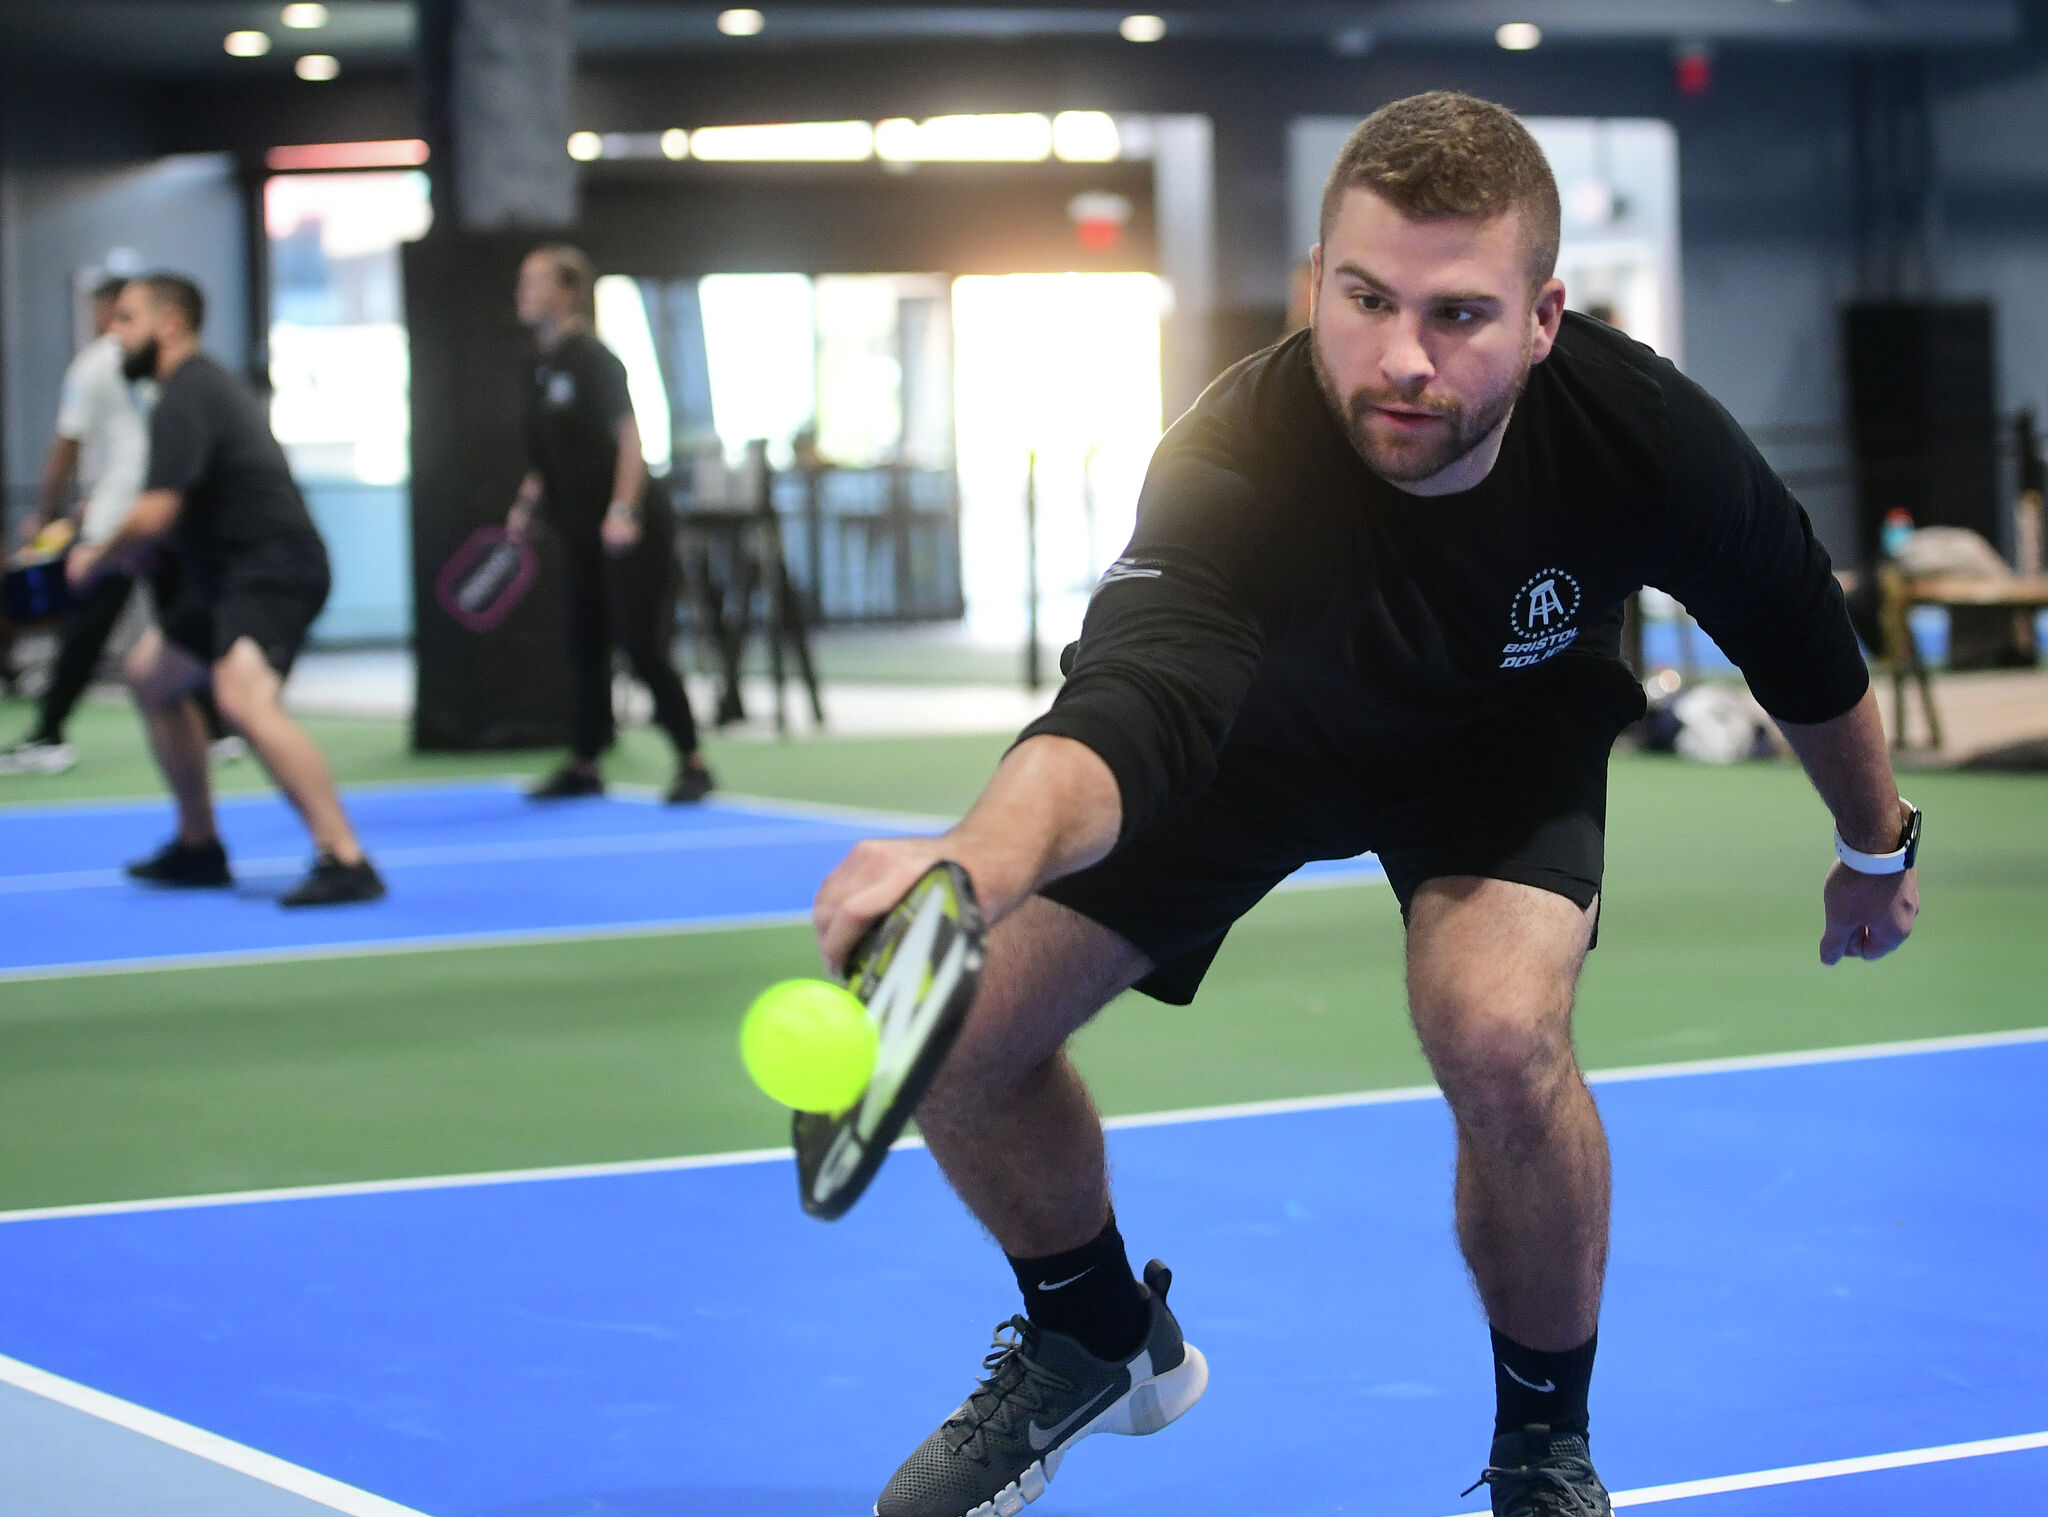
[
  {"x": 1533, "y": 1474},
  {"x": 1042, "y": 1394}
]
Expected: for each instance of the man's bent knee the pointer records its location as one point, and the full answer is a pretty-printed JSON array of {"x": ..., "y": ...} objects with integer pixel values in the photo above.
[
  {"x": 159, "y": 671},
  {"x": 1049, "y": 970},
  {"x": 244, "y": 684},
  {"x": 1499, "y": 1063},
  {"x": 1491, "y": 971}
]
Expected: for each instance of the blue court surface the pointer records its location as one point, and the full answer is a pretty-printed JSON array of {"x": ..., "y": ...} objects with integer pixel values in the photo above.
[
  {"x": 465, "y": 863},
  {"x": 1813, "y": 1261}
]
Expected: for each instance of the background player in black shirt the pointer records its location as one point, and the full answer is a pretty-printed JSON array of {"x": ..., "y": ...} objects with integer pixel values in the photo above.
[
  {"x": 617, "y": 533},
  {"x": 1372, "y": 601},
  {"x": 220, "y": 495}
]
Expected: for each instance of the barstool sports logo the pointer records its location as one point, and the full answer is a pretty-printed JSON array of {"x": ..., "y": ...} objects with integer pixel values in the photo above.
[{"x": 1542, "y": 617}]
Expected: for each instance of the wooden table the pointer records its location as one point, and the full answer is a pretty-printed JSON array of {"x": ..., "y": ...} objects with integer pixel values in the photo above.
[{"x": 1899, "y": 593}]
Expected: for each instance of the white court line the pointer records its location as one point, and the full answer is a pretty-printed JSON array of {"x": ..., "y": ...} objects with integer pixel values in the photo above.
[
  {"x": 238, "y": 1457},
  {"x": 1827, "y": 1469},
  {"x": 509, "y": 851},
  {"x": 1191, "y": 1114},
  {"x": 384, "y": 947},
  {"x": 261, "y": 794}
]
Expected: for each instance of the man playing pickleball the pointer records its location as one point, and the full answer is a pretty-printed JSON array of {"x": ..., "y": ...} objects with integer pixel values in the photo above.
[
  {"x": 1373, "y": 602},
  {"x": 220, "y": 495}
]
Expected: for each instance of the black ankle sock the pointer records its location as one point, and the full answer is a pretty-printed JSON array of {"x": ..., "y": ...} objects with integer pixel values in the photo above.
[
  {"x": 1089, "y": 1294},
  {"x": 1531, "y": 1386}
]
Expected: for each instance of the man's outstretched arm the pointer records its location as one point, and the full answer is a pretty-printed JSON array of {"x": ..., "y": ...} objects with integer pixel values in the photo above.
[
  {"x": 1868, "y": 915},
  {"x": 1052, "y": 808}
]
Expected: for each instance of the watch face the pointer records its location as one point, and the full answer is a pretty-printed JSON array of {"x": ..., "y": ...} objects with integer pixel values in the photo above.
[{"x": 1911, "y": 841}]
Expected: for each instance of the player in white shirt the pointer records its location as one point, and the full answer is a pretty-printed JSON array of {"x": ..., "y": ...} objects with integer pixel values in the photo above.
[{"x": 103, "y": 442}]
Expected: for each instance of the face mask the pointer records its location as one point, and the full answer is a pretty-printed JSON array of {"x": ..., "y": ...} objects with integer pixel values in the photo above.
[{"x": 140, "y": 364}]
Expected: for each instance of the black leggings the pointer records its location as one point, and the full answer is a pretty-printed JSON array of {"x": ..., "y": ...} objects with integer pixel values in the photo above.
[{"x": 625, "y": 601}]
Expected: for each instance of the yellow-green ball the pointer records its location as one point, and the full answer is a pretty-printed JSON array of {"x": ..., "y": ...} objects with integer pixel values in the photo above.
[{"x": 809, "y": 1044}]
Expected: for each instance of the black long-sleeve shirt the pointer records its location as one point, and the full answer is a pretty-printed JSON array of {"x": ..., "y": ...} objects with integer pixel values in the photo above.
[{"x": 1279, "y": 594}]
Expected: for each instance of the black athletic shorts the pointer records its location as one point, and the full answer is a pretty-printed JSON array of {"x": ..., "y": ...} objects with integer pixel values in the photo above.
[
  {"x": 1520, "y": 795},
  {"x": 270, "y": 598}
]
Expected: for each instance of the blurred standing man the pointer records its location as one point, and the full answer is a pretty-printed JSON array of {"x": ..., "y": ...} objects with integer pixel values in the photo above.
[
  {"x": 617, "y": 536},
  {"x": 103, "y": 440},
  {"x": 219, "y": 490}
]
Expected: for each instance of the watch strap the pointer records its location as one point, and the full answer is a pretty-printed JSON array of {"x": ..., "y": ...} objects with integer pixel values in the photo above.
[{"x": 1898, "y": 861}]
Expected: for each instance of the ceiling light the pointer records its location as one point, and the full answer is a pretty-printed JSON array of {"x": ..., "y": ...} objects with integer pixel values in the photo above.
[
  {"x": 675, "y": 143},
  {"x": 743, "y": 23},
  {"x": 1519, "y": 36},
  {"x": 304, "y": 18},
  {"x": 585, "y": 147},
  {"x": 1086, "y": 137},
  {"x": 785, "y": 142},
  {"x": 1023, "y": 138},
  {"x": 1142, "y": 28},
  {"x": 246, "y": 44},
  {"x": 317, "y": 67}
]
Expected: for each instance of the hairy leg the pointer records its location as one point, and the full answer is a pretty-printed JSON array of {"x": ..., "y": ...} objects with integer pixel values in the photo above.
[
  {"x": 164, "y": 677},
  {"x": 1008, "y": 1118},
  {"x": 1492, "y": 967},
  {"x": 248, "y": 690}
]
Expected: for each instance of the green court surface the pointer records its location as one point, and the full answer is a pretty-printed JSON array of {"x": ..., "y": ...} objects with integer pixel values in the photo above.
[{"x": 178, "y": 1081}]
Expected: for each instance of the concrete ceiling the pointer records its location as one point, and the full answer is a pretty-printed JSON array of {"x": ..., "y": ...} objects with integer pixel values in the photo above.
[{"x": 183, "y": 37}]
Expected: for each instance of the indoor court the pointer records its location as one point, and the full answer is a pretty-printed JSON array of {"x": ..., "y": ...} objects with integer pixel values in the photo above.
[
  {"x": 522, "y": 521},
  {"x": 497, "y": 1226}
]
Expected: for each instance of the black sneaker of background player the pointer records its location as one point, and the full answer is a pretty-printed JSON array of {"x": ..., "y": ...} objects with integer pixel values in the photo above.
[
  {"x": 1533, "y": 1474},
  {"x": 1042, "y": 1393},
  {"x": 332, "y": 883},
  {"x": 567, "y": 783},
  {"x": 692, "y": 783},
  {"x": 187, "y": 866}
]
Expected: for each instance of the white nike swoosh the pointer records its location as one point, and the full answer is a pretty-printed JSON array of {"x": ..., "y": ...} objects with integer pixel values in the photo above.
[
  {"x": 1543, "y": 1390},
  {"x": 1062, "y": 1284},
  {"x": 1042, "y": 1437}
]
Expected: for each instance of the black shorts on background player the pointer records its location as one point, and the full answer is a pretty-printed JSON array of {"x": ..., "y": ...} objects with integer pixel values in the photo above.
[
  {"x": 254, "y": 565},
  {"x": 1297, "y": 660}
]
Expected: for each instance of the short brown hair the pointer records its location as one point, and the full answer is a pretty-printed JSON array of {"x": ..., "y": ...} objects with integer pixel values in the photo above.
[
  {"x": 576, "y": 272},
  {"x": 1443, "y": 155},
  {"x": 179, "y": 294}
]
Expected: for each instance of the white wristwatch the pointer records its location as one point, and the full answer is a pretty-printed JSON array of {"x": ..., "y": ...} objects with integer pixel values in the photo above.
[{"x": 1898, "y": 861}]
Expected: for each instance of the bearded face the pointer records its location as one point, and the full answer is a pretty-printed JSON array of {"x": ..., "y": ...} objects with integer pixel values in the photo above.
[
  {"x": 1406, "y": 437},
  {"x": 140, "y": 363},
  {"x": 1423, "y": 334}
]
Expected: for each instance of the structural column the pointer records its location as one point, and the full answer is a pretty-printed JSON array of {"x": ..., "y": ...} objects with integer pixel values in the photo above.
[{"x": 495, "y": 80}]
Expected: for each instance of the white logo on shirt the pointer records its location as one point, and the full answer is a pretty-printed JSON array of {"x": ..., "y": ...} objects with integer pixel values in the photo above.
[
  {"x": 561, "y": 389},
  {"x": 1541, "y": 618}
]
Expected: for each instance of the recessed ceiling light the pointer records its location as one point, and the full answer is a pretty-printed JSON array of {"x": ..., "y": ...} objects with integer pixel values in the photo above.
[
  {"x": 584, "y": 147},
  {"x": 1519, "y": 36},
  {"x": 675, "y": 143},
  {"x": 317, "y": 67},
  {"x": 304, "y": 18},
  {"x": 1141, "y": 28},
  {"x": 246, "y": 44},
  {"x": 741, "y": 23}
]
